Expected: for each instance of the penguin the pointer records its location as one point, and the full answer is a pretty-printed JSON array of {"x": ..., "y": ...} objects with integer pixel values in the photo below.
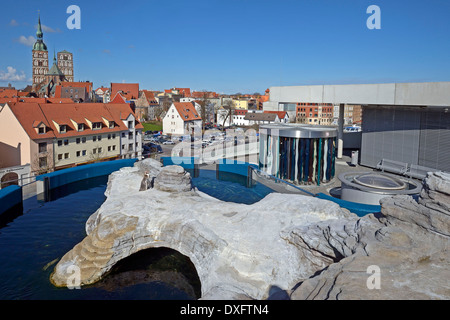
[{"x": 144, "y": 182}]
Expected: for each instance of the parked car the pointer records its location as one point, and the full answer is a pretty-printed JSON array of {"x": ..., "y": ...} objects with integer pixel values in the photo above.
[
  {"x": 168, "y": 142},
  {"x": 152, "y": 147}
]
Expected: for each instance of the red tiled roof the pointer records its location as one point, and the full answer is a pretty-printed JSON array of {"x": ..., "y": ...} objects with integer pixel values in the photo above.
[
  {"x": 130, "y": 90},
  {"x": 187, "y": 111},
  {"x": 87, "y": 85},
  {"x": 8, "y": 93},
  {"x": 184, "y": 91},
  {"x": 150, "y": 96},
  {"x": 59, "y": 100},
  {"x": 57, "y": 92},
  {"x": 240, "y": 112},
  {"x": 31, "y": 114},
  {"x": 118, "y": 98},
  {"x": 280, "y": 114},
  {"x": 33, "y": 100},
  {"x": 5, "y": 100}
]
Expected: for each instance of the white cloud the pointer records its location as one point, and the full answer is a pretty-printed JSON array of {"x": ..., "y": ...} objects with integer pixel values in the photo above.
[
  {"x": 27, "y": 41},
  {"x": 13, "y": 23},
  {"x": 12, "y": 75},
  {"x": 48, "y": 29}
]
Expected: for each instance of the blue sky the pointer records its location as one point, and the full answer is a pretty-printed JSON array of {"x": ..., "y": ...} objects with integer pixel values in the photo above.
[{"x": 231, "y": 46}]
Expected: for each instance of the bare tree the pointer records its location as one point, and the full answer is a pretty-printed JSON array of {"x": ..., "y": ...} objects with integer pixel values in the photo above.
[
  {"x": 43, "y": 163},
  {"x": 96, "y": 154},
  {"x": 204, "y": 102},
  {"x": 161, "y": 110},
  {"x": 229, "y": 106}
]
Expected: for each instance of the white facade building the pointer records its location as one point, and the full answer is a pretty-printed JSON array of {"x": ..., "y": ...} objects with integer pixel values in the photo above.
[{"x": 181, "y": 118}]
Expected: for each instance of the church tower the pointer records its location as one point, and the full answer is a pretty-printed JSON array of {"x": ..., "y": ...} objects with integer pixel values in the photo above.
[
  {"x": 40, "y": 57},
  {"x": 65, "y": 64}
]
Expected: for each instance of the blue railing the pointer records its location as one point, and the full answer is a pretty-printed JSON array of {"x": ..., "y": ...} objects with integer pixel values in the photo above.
[
  {"x": 10, "y": 197},
  {"x": 359, "y": 209},
  {"x": 66, "y": 176}
]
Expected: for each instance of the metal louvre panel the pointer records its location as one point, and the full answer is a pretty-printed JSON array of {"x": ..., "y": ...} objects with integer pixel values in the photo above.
[
  {"x": 434, "y": 149},
  {"x": 390, "y": 134}
]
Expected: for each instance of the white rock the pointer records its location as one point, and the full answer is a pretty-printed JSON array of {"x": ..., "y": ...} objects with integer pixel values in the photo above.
[{"x": 237, "y": 249}]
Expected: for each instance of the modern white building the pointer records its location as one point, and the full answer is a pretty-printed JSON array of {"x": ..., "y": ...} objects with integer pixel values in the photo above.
[{"x": 406, "y": 123}]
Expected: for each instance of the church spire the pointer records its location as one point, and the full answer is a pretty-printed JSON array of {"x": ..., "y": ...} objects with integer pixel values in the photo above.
[
  {"x": 39, "y": 45},
  {"x": 39, "y": 33}
]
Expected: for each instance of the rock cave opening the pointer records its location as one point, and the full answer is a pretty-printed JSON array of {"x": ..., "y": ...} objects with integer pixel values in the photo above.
[{"x": 171, "y": 273}]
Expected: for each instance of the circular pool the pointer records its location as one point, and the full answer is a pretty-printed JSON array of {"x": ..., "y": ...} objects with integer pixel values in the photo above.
[{"x": 369, "y": 188}]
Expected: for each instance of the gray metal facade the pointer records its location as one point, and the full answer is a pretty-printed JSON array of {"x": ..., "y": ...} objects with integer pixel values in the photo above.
[{"x": 412, "y": 135}]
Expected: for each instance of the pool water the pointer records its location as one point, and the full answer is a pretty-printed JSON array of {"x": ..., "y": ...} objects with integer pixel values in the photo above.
[
  {"x": 36, "y": 238},
  {"x": 230, "y": 187}
]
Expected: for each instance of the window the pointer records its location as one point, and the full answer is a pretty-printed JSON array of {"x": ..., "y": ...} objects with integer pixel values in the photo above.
[
  {"x": 78, "y": 140},
  {"x": 114, "y": 147},
  {"x": 66, "y": 155},
  {"x": 111, "y": 125},
  {"x": 83, "y": 152},
  {"x": 99, "y": 138},
  {"x": 130, "y": 146},
  {"x": 42, "y": 147},
  {"x": 94, "y": 138},
  {"x": 96, "y": 125},
  {"x": 60, "y": 156},
  {"x": 80, "y": 126},
  {"x": 62, "y": 128},
  {"x": 130, "y": 124},
  {"x": 109, "y": 148},
  {"x": 42, "y": 162},
  {"x": 41, "y": 130},
  {"x": 99, "y": 150},
  {"x": 59, "y": 143},
  {"x": 114, "y": 136},
  {"x": 83, "y": 140},
  {"x": 123, "y": 135},
  {"x": 130, "y": 135},
  {"x": 123, "y": 147},
  {"x": 109, "y": 137},
  {"x": 94, "y": 151},
  {"x": 78, "y": 153},
  {"x": 66, "y": 142}
]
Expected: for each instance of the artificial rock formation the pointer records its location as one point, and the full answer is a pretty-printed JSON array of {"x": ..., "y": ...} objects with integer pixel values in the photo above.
[
  {"x": 236, "y": 248},
  {"x": 284, "y": 246},
  {"x": 408, "y": 245}
]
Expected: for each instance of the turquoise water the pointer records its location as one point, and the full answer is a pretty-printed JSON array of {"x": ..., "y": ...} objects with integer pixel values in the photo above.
[
  {"x": 229, "y": 186},
  {"x": 35, "y": 238}
]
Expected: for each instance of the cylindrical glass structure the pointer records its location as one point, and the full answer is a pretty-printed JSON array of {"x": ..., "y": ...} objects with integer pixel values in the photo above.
[{"x": 302, "y": 154}]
